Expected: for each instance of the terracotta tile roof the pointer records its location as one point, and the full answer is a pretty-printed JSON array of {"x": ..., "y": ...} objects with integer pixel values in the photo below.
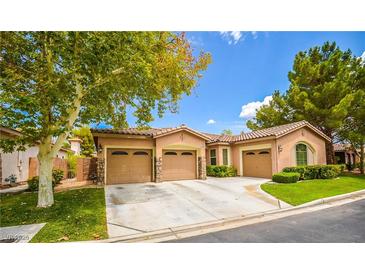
[
  {"x": 341, "y": 147},
  {"x": 276, "y": 132}
]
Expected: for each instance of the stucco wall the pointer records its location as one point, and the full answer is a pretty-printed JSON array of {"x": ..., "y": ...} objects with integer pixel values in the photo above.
[
  {"x": 287, "y": 143},
  {"x": 219, "y": 154},
  {"x": 112, "y": 142},
  {"x": 180, "y": 140}
]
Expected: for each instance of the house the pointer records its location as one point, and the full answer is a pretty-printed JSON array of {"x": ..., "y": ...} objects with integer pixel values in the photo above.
[
  {"x": 22, "y": 164},
  {"x": 165, "y": 154},
  {"x": 345, "y": 154}
]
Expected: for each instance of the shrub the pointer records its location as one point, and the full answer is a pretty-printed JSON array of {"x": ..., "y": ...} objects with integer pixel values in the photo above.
[
  {"x": 316, "y": 171},
  {"x": 57, "y": 176},
  {"x": 221, "y": 171},
  {"x": 329, "y": 171},
  {"x": 286, "y": 177},
  {"x": 11, "y": 179}
]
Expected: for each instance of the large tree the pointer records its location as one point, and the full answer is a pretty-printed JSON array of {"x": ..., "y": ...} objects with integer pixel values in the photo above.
[
  {"x": 321, "y": 91},
  {"x": 353, "y": 129},
  {"x": 51, "y": 81}
]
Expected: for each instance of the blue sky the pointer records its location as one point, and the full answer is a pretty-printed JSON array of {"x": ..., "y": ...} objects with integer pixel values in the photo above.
[{"x": 246, "y": 67}]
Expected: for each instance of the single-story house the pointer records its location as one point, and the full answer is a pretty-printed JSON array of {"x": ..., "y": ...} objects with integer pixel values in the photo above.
[
  {"x": 165, "y": 154},
  {"x": 19, "y": 162},
  {"x": 345, "y": 154}
]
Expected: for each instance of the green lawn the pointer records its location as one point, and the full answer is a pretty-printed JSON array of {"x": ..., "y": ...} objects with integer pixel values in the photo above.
[
  {"x": 310, "y": 190},
  {"x": 76, "y": 215}
]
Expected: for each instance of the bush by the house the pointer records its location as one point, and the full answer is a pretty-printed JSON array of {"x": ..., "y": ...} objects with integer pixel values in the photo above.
[
  {"x": 11, "y": 179},
  {"x": 57, "y": 176},
  {"x": 221, "y": 171},
  {"x": 316, "y": 171},
  {"x": 286, "y": 177}
]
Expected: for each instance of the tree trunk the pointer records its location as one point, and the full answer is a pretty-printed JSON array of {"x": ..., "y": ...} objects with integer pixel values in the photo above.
[
  {"x": 45, "y": 191},
  {"x": 330, "y": 153},
  {"x": 362, "y": 171}
]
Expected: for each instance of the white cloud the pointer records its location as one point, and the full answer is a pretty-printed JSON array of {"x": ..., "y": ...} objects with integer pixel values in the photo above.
[
  {"x": 233, "y": 37},
  {"x": 211, "y": 122},
  {"x": 196, "y": 41},
  {"x": 249, "y": 110}
]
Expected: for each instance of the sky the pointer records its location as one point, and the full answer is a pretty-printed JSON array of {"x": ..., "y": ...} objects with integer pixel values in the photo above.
[{"x": 247, "y": 68}]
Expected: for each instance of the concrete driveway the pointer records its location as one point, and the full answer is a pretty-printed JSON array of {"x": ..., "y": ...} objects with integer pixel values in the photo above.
[{"x": 138, "y": 208}]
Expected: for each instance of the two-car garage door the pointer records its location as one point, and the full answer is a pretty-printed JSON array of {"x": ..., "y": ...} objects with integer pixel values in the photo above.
[
  {"x": 257, "y": 163},
  {"x": 135, "y": 165}
]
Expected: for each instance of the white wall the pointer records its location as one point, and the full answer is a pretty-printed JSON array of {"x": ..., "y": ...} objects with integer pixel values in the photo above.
[{"x": 17, "y": 163}]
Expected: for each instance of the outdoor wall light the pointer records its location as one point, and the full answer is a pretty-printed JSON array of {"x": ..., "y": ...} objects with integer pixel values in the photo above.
[
  {"x": 280, "y": 148},
  {"x": 100, "y": 148}
]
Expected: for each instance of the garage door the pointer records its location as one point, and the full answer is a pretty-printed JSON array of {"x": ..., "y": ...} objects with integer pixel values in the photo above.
[
  {"x": 128, "y": 166},
  {"x": 257, "y": 163},
  {"x": 178, "y": 165}
]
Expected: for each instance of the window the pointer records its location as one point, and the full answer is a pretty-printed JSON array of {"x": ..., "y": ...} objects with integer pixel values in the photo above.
[
  {"x": 170, "y": 153},
  {"x": 301, "y": 153},
  {"x": 186, "y": 153},
  {"x": 225, "y": 157},
  {"x": 264, "y": 152},
  {"x": 213, "y": 157},
  {"x": 119, "y": 152},
  {"x": 140, "y": 153},
  {"x": 250, "y": 153}
]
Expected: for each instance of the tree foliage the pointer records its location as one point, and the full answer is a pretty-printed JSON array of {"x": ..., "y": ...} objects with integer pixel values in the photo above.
[
  {"x": 321, "y": 91},
  {"x": 227, "y": 132},
  {"x": 87, "y": 144},
  {"x": 52, "y": 81}
]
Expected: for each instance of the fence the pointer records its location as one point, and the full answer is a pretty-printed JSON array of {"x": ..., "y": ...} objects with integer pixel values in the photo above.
[
  {"x": 85, "y": 169},
  {"x": 58, "y": 163}
]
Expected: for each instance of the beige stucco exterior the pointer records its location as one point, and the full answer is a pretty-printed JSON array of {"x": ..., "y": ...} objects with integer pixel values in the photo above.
[{"x": 281, "y": 149}]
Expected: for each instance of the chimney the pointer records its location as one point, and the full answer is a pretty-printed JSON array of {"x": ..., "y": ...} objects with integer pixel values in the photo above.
[{"x": 75, "y": 145}]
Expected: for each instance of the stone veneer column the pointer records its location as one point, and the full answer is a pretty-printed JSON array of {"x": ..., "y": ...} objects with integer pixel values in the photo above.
[
  {"x": 100, "y": 171},
  {"x": 158, "y": 169},
  {"x": 202, "y": 168}
]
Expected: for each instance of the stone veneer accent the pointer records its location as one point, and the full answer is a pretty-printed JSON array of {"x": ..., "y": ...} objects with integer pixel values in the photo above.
[
  {"x": 202, "y": 168},
  {"x": 158, "y": 169},
  {"x": 100, "y": 171}
]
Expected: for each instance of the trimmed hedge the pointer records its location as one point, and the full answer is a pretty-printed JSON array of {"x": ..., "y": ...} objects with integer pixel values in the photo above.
[
  {"x": 221, "y": 171},
  {"x": 286, "y": 177},
  {"x": 316, "y": 171}
]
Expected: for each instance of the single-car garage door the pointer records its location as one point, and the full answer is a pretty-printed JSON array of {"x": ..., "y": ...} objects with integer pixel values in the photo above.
[
  {"x": 178, "y": 165},
  {"x": 128, "y": 166},
  {"x": 257, "y": 163}
]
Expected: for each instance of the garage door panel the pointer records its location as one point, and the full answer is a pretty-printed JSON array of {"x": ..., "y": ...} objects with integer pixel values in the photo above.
[
  {"x": 129, "y": 166},
  {"x": 178, "y": 165},
  {"x": 257, "y": 163}
]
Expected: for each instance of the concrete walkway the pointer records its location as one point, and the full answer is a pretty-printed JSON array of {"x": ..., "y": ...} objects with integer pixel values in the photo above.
[
  {"x": 15, "y": 189},
  {"x": 139, "y": 208},
  {"x": 19, "y": 233}
]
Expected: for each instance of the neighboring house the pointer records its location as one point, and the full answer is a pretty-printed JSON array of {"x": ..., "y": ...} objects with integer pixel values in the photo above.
[
  {"x": 19, "y": 162},
  {"x": 345, "y": 154},
  {"x": 132, "y": 155}
]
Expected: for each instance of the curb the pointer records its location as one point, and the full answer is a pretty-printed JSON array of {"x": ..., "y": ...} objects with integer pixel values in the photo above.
[{"x": 222, "y": 224}]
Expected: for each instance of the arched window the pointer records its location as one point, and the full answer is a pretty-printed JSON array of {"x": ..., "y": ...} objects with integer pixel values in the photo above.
[
  {"x": 301, "y": 154},
  {"x": 186, "y": 153},
  {"x": 140, "y": 153},
  {"x": 250, "y": 153},
  {"x": 264, "y": 152},
  {"x": 119, "y": 152},
  {"x": 170, "y": 153}
]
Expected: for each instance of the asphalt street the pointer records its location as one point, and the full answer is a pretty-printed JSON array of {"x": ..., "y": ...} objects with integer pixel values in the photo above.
[{"x": 341, "y": 224}]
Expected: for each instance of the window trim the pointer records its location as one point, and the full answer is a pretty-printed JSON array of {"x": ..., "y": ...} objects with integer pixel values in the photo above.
[
  {"x": 304, "y": 154},
  {"x": 213, "y": 157},
  {"x": 225, "y": 157}
]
